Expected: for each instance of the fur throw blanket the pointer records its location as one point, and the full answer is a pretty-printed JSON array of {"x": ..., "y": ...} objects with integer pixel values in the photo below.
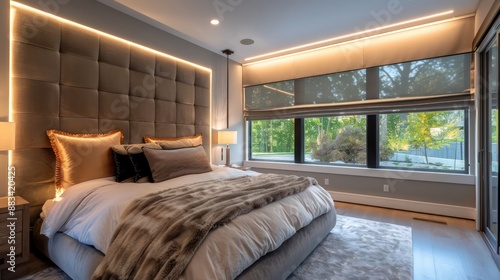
[{"x": 159, "y": 233}]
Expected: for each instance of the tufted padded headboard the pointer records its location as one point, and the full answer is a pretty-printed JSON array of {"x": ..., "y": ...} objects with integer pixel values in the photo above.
[{"x": 79, "y": 80}]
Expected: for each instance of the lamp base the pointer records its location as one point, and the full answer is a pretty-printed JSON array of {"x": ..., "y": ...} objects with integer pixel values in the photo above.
[{"x": 228, "y": 156}]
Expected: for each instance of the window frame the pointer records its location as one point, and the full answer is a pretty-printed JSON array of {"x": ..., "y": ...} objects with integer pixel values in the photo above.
[
  {"x": 372, "y": 151},
  {"x": 372, "y": 130}
]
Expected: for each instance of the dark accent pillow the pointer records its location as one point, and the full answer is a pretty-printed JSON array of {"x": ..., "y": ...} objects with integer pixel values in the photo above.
[
  {"x": 141, "y": 167},
  {"x": 124, "y": 169},
  {"x": 130, "y": 163},
  {"x": 169, "y": 164}
]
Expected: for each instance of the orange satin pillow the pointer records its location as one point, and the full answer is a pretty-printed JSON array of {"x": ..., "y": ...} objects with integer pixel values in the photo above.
[
  {"x": 83, "y": 157},
  {"x": 176, "y": 143}
]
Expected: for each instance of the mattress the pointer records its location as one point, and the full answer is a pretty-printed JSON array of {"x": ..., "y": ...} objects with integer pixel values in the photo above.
[{"x": 79, "y": 254}]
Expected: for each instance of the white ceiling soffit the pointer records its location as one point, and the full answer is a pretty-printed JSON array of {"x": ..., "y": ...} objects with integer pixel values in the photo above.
[{"x": 280, "y": 24}]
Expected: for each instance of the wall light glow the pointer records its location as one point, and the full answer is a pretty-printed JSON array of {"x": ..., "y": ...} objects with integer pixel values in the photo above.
[{"x": 364, "y": 32}]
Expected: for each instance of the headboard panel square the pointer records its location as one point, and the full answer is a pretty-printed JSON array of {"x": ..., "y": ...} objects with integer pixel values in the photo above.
[
  {"x": 79, "y": 42},
  {"x": 79, "y": 80}
]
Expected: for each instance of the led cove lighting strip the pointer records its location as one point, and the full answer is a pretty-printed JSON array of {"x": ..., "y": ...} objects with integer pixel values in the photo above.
[{"x": 351, "y": 35}]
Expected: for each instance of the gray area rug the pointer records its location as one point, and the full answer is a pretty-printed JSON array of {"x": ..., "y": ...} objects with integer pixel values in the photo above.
[
  {"x": 360, "y": 249},
  {"x": 355, "y": 249}
]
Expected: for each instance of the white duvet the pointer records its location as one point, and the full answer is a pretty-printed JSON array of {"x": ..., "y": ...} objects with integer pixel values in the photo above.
[{"x": 89, "y": 212}]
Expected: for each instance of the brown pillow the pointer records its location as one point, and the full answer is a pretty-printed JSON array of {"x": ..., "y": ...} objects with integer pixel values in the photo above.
[
  {"x": 82, "y": 157},
  {"x": 176, "y": 143},
  {"x": 168, "y": 164}
]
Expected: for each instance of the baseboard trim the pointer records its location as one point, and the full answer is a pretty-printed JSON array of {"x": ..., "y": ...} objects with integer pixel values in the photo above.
[{"x": 408, "y": 205}]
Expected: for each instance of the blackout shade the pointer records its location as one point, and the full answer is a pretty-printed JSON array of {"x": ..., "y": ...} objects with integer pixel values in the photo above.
[{"x": 367, "y": 107}]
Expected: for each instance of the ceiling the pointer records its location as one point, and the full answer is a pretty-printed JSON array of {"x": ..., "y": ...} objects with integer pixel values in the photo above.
[{"x": 279, "y": 24}]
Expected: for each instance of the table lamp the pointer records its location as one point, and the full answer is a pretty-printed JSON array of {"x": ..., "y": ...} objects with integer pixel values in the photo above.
[{"x": 227, "y": 137}]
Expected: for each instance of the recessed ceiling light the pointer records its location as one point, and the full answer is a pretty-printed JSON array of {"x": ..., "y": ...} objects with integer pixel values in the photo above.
[
  {"x": 214, "y": 21},
  {"x": 247, "y": 42}
]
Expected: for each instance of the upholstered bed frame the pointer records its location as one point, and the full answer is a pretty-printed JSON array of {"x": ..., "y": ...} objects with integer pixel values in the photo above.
[{"x": 79, "y": 80}]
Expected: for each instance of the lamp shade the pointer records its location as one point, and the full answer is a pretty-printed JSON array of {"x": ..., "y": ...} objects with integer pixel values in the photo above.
[
  {"x": 227, "y": 137},
  {"x": 7, "y": 136}
]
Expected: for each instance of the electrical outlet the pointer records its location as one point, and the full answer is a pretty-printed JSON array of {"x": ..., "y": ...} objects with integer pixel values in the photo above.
[
  {"x": 386, "y": 188},
  {"x": 327, "y": 182}
]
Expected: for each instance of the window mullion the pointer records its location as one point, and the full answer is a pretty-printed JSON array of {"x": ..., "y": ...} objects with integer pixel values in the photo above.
[
  {"x": 372, "y": 141},
  {"x": 249, "y": 138},
  {"x": 372, "y": 121},
  {"x": 299, "y": 141}
]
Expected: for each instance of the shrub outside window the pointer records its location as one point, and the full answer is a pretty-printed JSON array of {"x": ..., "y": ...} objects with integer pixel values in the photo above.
[{"x": 337, "y": 140}]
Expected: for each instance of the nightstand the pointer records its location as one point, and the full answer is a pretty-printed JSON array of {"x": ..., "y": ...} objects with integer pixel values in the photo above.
[{"x": 14, "y": 231}]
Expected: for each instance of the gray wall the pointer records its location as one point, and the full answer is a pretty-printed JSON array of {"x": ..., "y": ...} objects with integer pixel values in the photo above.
[
  {"x": 433, "y": 192},
  {"x": 103, "y": 18}
]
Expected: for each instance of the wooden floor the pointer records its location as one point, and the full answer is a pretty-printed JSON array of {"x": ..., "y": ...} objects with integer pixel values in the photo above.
[{"x": 453, "y": 251}]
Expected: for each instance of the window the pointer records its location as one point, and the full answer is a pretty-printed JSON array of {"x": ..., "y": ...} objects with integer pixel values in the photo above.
[
  {"x": 411, "y": 115},
  {"x": 423, "y": 140},
  {"x": 273, "y": 140},
  {"x": 337, "y": 140}
]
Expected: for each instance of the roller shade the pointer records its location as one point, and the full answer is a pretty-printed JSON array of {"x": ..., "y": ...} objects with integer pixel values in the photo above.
[
  {"x": 437, "y": 40},
  {"x": 367, "y": 107}
]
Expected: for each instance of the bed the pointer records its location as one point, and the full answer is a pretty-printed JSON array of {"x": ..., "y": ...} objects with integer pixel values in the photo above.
[
  {"x": 108, "y": 84},
  {"x": 223, "y": 254}
]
